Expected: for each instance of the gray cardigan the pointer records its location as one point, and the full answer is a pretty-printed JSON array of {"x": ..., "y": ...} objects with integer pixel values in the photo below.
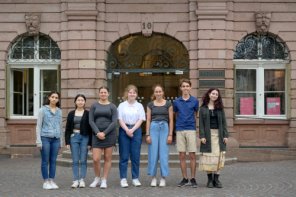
[{"x": 204, "y": 129}]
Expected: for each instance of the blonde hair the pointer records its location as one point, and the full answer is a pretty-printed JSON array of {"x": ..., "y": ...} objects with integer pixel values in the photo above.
[
  {"x": 127, "y": 89},
  {"x": 153, "y": 88}
]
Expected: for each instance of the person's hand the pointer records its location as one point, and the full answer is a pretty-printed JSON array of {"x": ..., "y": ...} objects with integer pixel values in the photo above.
[
  {"x": 170, "y": 139},
  {"x": 101, "y": 135},
  {"x": 129, "y": 132},
  {"x": 68, "y": 146},
  {"x": 225, "y": 140},
  {"x": 203, "y": 140},
  {"x": 89, "y": 147},
  {"x": 148, "y": 139}
]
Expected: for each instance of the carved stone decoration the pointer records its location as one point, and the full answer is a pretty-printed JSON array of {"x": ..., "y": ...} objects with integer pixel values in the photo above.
[
  {"x": 32, "y": 23},
  {"x": 262, "y": 22}
]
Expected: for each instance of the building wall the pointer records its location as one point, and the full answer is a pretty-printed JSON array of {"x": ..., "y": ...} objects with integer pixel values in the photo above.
[{"x": 85, "y": 29}]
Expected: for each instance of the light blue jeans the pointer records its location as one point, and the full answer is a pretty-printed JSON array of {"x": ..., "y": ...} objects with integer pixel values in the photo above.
[
  {"x": 79, "y": 152},
  {"x": 158, "y": 149}
]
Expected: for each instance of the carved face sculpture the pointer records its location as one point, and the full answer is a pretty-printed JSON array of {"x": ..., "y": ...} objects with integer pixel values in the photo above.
[
  {"x": 32, "y": 23},
  {"x": 262, "y": 22}
]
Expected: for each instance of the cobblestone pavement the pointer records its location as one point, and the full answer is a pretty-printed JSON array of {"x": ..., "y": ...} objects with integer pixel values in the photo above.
[{"x": 21, "y": 177}]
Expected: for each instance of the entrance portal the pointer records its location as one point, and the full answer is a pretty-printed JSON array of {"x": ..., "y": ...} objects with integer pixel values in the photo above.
[{"x": 144, "y": 62}]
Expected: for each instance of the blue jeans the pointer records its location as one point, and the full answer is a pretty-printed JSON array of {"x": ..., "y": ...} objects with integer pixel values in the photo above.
[
  {"x": 49, "y": 154},
  {"x": 129, "y": 147},
  {"x": 79, "y": 152},
  {"x": 158, "y": 149}
]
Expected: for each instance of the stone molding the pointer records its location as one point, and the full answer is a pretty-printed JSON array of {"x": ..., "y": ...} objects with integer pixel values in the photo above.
[{"x": 81, "y": 15}]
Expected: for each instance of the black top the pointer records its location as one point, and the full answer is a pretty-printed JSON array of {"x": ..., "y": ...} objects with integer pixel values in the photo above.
[
  {"x": 213, "y": 119},
  {"x": 77, "y": 120},
  {"x": 85, "y": 128},
  {"x": 159, "y": 113}
]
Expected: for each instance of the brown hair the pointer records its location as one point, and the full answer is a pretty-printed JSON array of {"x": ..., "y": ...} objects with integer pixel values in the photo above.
[
  {"x": 218, "y": 104},
  {"x": 184, "y": 80},
  {"x": 153, "y": 88}
]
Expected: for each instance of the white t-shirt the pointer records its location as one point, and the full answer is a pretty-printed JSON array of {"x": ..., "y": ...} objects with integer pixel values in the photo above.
[{"x": 131, "y": 113}]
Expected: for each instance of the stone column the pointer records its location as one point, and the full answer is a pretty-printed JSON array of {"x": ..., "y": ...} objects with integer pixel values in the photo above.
[
  {"x": 78, "y": 48},
  {"x": 215, "y": 52}
]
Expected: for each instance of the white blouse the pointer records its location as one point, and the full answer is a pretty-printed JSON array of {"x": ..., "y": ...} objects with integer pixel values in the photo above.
[{"x": 131, "y": 113}]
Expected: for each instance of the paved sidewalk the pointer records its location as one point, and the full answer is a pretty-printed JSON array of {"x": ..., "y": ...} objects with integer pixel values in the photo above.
[{"x": 21, "y": 177}]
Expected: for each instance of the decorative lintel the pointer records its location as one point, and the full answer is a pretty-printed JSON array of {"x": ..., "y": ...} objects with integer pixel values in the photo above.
[
  {"x": 211, "y": 14},
  {"x": 81, "y": 15}
]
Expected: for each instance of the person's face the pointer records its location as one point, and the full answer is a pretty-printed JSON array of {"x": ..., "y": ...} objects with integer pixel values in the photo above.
[
  {"x": 214, "y": 95},
  {"x": 185, "y": 88},
  {"x": 53, "y": 99},
  {"x": 80, "y": 102},
  {"x": 103, "y": 94},
  {"x": 132, "y": 95},
  {"x": 158, "y": 92}
]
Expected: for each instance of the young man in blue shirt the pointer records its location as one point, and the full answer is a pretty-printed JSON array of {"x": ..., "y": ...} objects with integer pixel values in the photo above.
[{"x": 186, "y": 108}]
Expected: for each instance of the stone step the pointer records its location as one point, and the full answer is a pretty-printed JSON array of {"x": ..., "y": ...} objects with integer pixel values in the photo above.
[{"x": 173, "y": 163}]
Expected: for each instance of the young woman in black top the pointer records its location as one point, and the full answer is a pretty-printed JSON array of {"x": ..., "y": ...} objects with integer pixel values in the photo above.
[{"x": 213, "y": 135}]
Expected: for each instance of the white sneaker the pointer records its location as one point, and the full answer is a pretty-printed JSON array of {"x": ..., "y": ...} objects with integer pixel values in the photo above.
[
  {"x": 153, "y": 182},
  {"x": 47, "y": 185},
  {"x": 123, "y": 183},
  {"x": 75, "y": 184},
  {"x": 162, "y": 182},
  {"x": 53, "y": 184},
  {"x": 81, "y": 183},
  {"x": 103, "y": 184},
  {"x": 96, "y": 182},
  {"x": 136, "y": 182}
]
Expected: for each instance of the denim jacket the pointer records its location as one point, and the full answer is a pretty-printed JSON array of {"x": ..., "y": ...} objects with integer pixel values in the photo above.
[{"x": 49, "y": 124}]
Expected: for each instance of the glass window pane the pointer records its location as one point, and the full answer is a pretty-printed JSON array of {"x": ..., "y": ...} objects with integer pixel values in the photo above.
[
  {"x": 48, "y": 83},
  {"x": 28, "y": 42},
  {"x": 245, "y": 80},
  {"x": 245, "y": 104},
  {"x": 17, "y": 53},
  {"x": 274, "y": 80},
  {"x": 28, "y": 53},
  {"x": 44, "y": 42},
  {"x": 17, "y": 104},
  {"x": 274, "y": 103},
  {"x": 44, "y": 53}
]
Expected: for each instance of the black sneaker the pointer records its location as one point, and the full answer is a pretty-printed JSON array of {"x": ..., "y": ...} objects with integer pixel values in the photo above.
[
  {"x": 193, "y": 182},
  {"x": 184, "y": 182}
]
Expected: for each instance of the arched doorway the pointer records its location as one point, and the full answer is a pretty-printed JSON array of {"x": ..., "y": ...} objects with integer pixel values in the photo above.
[{"x": 144, "y": 62}]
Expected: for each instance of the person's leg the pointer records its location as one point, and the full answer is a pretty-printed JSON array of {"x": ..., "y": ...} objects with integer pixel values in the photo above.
[
  {"x": 124, "y": 148},
  {"x": 107, "y": 161},
  {"x": 135, "y": 151},
  {"x": 83, "y": 156},
  {"x": 97, "y": 154},
  {"x": 191, "y": 148},
  {"x": 182, "y": 158},
  {"x": 164, "y": 150},
  {"x": 54, "y": 151},
  {"x": 192, "y": 157},
  {"x": 153, "y": 149},
  {"x": 210, "y": 179},
  {"x": 181, "y": 147},
  {"x": 45, "y": 151},
  {"x": 75, "y": 151}
]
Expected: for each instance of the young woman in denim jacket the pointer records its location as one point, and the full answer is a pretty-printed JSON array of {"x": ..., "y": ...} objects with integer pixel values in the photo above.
[
  {"x": 78, "y": 136},
  {"x": 48, "y": 134}
]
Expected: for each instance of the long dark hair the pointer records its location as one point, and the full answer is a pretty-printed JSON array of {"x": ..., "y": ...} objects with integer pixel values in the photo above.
[
  {"x": 218, "y": 104},
  {"x": 76, "y": 97},
  {"x": 46, "y": 102}
]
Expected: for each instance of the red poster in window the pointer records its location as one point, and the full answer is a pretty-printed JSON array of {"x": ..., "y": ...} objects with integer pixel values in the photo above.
[
  {"x": 273, "y": 105},
  {"x": 246, "y": 106}
]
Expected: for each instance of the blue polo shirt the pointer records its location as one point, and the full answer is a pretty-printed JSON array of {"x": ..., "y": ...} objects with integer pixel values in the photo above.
[{"x": 185, "y": 110}]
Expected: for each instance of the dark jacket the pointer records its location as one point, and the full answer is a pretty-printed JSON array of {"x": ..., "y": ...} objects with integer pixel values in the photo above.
[
  {"x": 85, "y": 128},
  {"x": 204, "y": 129}
]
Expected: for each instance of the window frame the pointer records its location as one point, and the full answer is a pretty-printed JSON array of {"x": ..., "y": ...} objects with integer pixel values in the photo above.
[{"x": 260, "y": 66}]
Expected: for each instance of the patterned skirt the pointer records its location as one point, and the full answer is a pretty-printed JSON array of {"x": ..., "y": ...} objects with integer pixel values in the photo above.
[{"x": 215, "y": 160}]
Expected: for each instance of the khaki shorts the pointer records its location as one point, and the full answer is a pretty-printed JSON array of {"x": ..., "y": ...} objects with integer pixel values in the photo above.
[{"x": 186, "y": 141}]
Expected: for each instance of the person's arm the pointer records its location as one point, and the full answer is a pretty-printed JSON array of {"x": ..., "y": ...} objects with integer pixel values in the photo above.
[
  {"x": 114, "y": 118},
  {"x": 224, "y": 126},
  {"x": 61, "y": 128},
  {"x": 92, "y": 123},
  {"x": 68, "y": 129},
  {"x": 39, "y": 127},
  {"x": 148, "y": 122},
  {"x": 202, "y": 126},
  {"x": 171, "y": 125}
]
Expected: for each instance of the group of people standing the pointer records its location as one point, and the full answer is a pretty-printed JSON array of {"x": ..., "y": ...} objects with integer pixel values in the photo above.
[{"x": 95, "y": 130}]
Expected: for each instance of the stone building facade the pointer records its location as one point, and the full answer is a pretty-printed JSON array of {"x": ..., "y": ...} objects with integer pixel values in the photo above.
[{"x": 247, "y": 48}]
